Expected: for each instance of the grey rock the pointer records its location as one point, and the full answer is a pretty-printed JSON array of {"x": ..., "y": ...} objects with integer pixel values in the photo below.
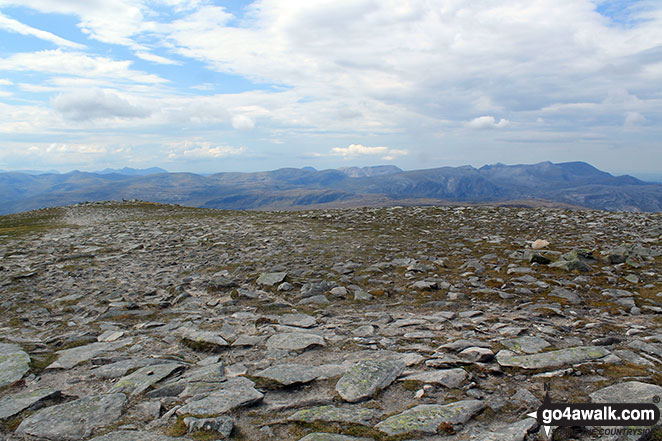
[
  {"x": 450, "y": 378},
  {"x": 233, "y": 393},
  {"x": 508, "y": 432},
  {"x": 222, "y": 425},
  {"x": 289, "y": 374},
  {"x": 135, "y": 435},
  {"x": 566, "y": 294},
  {"x": 629, "y": 392},
  {"x": 298, "y": 320},
  {"x": 367, "y": 377},
  {"x": 460, "y": 345},
  {"x": 362, "y": 296},
  {"x": 69, "y": 358},
  {"x": 333, "y": 414},
  {"x": 298, "y": 341},
  {"x": 552, "y": 359},
  {"x": 145, "y": 377},
  {"x": 364, "y": 331},
  {"x": 477, "y": 354},
  {"x": 14, "y": 363},
  {"x": 271, "y": 279},
  {"x": 202, "y": 340},
  {"x": 11, "y": 405},
  {"x": 526, "y": 344},
  {"x": 426, "y": 418},
  {"x": 248, "y": 340},
  {"x": 319, "y": 299},
  {"x": 75, "y": 419}
]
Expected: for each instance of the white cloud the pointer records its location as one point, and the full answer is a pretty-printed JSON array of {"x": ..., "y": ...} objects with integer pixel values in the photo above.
[
  {"x": 77, "y": 64},
  {"x": 147, "y": 56},
  {"x": 487, "y": 122},
  {"x": 196, "y": 150},
  {"x": 242, "y": 122},
  {"x": 356, "y": 150},
  {"x": 85, "y": 105},
  {"x": 71, "y": 148},
  {"x": 4, "y": 82},
  {"x": 633, "y": 119},
  {"x": 107, "y": 21},
  {"x": 11, "y": 25}
]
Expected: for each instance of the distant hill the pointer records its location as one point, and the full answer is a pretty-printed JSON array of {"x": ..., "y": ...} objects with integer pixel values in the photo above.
[
  {"x": 564, "y": 184},
  {"x": 378, "y": 170}
]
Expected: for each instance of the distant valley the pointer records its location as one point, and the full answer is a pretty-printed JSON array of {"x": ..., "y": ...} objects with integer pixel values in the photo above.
[{"x": 570, "y": 184}]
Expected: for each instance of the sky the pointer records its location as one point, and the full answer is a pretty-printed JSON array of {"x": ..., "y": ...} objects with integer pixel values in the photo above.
[{"x": 210, "y": 86}]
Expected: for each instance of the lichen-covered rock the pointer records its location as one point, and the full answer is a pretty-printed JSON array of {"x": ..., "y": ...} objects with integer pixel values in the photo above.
[
  {"x": 333, "y": 414},
  {"x": 14, "y": 404},
  {"x": 233, "y": 393},
  {"x": 367, "y": 377},
  {"x": 135, "y": 435},
  {"x": 526, "y": 344},
  {"x": 202, "y": 340},
  {"x": 552, "y": 359},
  {"x": 221, "y": 426},
  {"x": 290, "y": 374},
  {"x": 426, "y": 418},
  {"x": 75, "y": 419},
  {"x": 508, "y": 432},
  {"x": 142, "y": 379},
  {"x": 14, "y": 363},
  {"x": 295, "y": 341},
  {"x": 68, "y": 358}
]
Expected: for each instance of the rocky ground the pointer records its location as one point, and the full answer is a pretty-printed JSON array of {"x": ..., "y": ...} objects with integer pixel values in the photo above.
[{"x": 138, "y": 321}]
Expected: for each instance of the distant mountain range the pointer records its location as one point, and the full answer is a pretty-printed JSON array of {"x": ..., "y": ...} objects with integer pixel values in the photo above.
[{"x": 567, "y": 184}]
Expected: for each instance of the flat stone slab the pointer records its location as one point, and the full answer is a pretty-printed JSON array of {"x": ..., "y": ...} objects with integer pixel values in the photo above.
[
  {"x": 271, "y": 279},
  {"x": 233, "y": 393},
  {"x": 298, "y": 320},
  {"x": 367, "y": 377},
  {"x": 295, "y": 341},
  {"x": 450, "y": 378},
  {"x": 142, "y": 379},
  {"x": 426, "y": 418},
  {"x": 526, "y": 344},
  {"x": 333, "y": 414},
  {"x": 509, "y": 432},
  {"x": 14, "y": 404},
  {"x": 289, "y": 374},
  {"x": 68, "y": 358},
  {"x": 331, "y": 437},
  {"x": 135, "y": 435},
  {"x": 552, "y": 359},
  {"x": 628, "y": 392},
  {"x": 14, "y": 363},
  {"x": 202, "y": 340},
  {"x": 75, "y": 419}
]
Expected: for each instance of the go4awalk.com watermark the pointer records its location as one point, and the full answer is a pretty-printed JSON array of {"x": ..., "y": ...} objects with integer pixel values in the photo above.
[{"x": 603, "y": 418}]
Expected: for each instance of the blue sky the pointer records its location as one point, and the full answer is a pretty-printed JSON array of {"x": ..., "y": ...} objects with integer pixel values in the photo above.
[{"x": 206, "y": 86}]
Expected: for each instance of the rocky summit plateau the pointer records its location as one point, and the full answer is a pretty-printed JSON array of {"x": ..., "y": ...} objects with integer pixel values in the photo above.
[{"x": 133, "y": 321}]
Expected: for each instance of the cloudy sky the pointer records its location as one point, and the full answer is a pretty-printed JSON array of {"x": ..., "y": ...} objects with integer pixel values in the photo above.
[{"x": 202, "y": 85}]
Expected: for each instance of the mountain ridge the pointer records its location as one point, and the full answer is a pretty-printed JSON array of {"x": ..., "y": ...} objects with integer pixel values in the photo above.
[{"x": 570, "y": 183}]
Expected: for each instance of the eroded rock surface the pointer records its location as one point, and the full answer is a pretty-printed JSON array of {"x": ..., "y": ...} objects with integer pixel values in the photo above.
[{"x": 127, "y": 321}]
